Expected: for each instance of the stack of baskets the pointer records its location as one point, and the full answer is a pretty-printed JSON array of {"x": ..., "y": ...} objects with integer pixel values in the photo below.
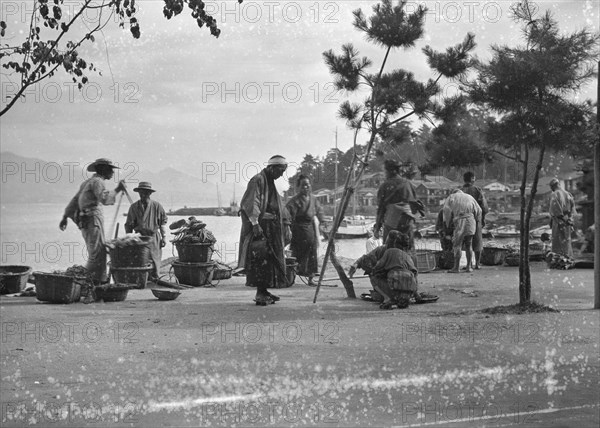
[
  {"x": 130, "y": 264},
  {"x": 194, "y": 266}
]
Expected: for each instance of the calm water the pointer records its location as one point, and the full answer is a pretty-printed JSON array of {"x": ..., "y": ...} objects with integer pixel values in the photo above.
[{"x": 29, "y": 235}]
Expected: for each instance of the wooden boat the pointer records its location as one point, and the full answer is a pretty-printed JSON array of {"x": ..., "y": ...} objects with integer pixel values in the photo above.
[{"x": 348, "y": 230}]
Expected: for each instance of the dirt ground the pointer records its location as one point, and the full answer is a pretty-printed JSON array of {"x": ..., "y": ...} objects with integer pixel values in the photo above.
[{"x": 213, "y": 358}]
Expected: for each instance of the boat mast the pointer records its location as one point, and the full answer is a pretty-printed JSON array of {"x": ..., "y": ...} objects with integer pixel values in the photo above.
[
  {"x": 218, "y": 196},
  {"x": 335, "y": 183}
]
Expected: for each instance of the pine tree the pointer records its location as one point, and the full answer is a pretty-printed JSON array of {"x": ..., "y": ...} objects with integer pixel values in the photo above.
[
  {"x": 531, "y": 88},
  {"x": 391, "y": 96}
]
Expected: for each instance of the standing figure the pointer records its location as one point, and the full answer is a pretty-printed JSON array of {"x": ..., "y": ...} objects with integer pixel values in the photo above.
[
  {"x": 263, "y": 232},
  {"x": 395, "y": 198},
  {"x": 463, "y": 213},
  {"x": 303, "y": 208},
  {"x": 562, "y": 209},
  {"x": 85, "y": 209},
  {"x": 372, "y": 242},
  {"x": 148, "y": 218},
  {"x": 470, "y": 189}
]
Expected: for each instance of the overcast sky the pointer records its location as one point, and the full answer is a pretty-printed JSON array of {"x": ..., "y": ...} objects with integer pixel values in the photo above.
[{"x": 180, "y": 98}]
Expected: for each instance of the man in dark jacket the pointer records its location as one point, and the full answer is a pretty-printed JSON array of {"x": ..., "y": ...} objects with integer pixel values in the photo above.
[
  {"x": 263, "y": 233},
  {"x": 396, "y": 199}
]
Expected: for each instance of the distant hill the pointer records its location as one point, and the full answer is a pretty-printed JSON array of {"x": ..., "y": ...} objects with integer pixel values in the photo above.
[{"x": 31, "y": 180}]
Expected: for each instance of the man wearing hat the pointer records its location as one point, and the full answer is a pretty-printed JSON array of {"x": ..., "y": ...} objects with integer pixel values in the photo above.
[
  {"x": 265, "y": 227},
  {"x": 148, "y": 218},
  {"x": 396, "y": 204},
  {"x": 562, "y": 208},
  {"x": 85, "y": 209}
]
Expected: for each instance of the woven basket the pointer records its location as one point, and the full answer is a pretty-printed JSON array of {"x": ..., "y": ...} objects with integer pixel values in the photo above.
[
  {"x": 492, "y": 256},
  {"x": 112, "y": 294},
  {"x": 13, "y": 279},
  {"x": 425, "y": 260},
  {"x": 133, "y": 277},
  {"x": 194, "y": 274},
  {"x": 222, "y": 271},
  {"x": 135, "y": 255},
  {"x": 56, "y": 288},
  {"x": 194, "y": 253}
]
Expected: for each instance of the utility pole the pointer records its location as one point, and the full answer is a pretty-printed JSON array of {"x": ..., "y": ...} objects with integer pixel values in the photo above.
[
  {"x": 597, "y": 208},
  {"x": 335, "y": 180}
]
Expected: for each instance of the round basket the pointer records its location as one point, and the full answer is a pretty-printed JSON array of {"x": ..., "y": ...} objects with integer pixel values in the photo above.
[
  {"x": 134, "y": 255},
  {"x": 56, "y": 288},
  {"x": 13, "y": 279},
  {"x": 112, "y": 294},
  {"x": 163, "y": 294},
  {"x": 194, "y": 253}
]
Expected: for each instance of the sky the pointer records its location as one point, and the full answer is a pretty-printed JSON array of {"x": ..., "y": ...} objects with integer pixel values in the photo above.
[{"x": 219, "y": 108}]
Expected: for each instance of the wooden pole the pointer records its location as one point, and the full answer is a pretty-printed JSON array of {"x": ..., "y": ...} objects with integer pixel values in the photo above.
[{"x": 597, "y": 206}]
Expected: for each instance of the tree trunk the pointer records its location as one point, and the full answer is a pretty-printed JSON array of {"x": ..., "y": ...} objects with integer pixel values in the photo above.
[{"x": 524, "y": 274}]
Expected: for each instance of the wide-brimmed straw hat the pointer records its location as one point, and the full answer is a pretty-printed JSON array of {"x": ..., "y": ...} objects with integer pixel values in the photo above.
[
  {"x": 101, "y": 161},
  {"x": 144, "y": 185}
]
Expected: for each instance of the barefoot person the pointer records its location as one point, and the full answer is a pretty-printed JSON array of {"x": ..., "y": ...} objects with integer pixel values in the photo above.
[
  {"x": 470, "y": 189},
  {"x": 148, "y": 218},
  {"x": 85, "y": 209},
  {"x": 462, "y": 212},
  {"x": 262, "y": 236},
  {"x": 303, "y": 208}
]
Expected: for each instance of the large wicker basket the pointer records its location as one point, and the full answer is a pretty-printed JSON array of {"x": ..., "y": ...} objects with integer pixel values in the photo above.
[
  {"x": 134, "y": 255},
  {"x": 194, "y": 253},
  {"x": 425, "y": 260},
  {"x": 56, "y": 288},
  {"x": 13, "y": 279},
  {"x": 132, "y": 277},
  {"x": 194, "y": 274},
  {"x": 493, "y": 256}
]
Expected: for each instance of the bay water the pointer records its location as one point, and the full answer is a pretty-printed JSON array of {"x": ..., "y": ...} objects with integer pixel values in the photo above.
[{"x": 29, "y": 235}]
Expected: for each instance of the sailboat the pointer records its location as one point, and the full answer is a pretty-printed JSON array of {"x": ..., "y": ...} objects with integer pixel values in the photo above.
[
  {"x": 233, "y": 205},
  {"x": 219, "y": 211}
]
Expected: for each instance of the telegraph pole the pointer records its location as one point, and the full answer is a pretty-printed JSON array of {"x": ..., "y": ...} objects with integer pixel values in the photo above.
[
  {"x": 335, "y": 180},
  {"x": 597, "y": 207}
]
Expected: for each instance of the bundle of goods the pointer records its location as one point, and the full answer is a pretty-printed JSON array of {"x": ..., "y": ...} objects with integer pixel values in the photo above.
[
  {"x": 559, "y": 261},
  {"x": 130, "y": 260},
  {"x": 537, "y": 252},
  {"x": 13, "y": 279},
  {"x": 195, "y": 246},
  {"x": 62, "y": 286}
]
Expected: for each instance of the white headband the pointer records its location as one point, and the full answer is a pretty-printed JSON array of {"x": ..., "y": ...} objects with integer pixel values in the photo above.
[{"x": 277, "y": 160}]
